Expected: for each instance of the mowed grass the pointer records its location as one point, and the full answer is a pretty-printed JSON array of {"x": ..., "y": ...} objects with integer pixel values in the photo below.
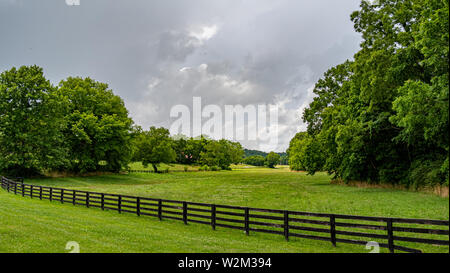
[
  {"x": 31, "y": 225},
  {"x": 41, "y": 226},
  {"x": 264, "y": 188}
]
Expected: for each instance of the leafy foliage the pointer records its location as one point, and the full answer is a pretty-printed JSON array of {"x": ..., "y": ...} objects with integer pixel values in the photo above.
[
  {"x": 98, "y": 126},
  {"x": 154, "y": 147},
  {"x": 255, "y": 160},
  {"x": 221, "y": 153},
  {"x": 272, "y": 159},
  {"x": 384, "y": 115},
  {"x": 31, "y": 121}
]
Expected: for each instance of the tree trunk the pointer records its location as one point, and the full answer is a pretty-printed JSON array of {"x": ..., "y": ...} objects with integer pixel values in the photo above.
[{"x": 155, "y": 168}]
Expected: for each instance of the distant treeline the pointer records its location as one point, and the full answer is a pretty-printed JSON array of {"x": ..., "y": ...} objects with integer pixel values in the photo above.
[
  {"x": 383, "y": 117},
  {"x": 258, "y": 158}
]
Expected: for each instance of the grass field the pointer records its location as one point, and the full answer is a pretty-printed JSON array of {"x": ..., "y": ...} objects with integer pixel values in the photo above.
[{"x": 41, "y": 226}]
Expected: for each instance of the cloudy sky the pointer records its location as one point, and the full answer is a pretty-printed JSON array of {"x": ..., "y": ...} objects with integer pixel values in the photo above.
[{"x": 160, "y": 53}]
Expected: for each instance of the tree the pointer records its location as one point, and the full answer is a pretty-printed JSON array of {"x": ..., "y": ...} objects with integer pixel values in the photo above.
[
  {"x": 284, "y": 160},
  {"x": 99, "y": 129},
  {"x": 31, "y": 121},
  {"x": 236, "y": 152},
  {"x": 255, "y": 160},
  {"x": 221, "y": 153},
  {"x": 272, "y": 159},
  {"x": 155, "y": 147},
  {"x": 179, "y": 146}
]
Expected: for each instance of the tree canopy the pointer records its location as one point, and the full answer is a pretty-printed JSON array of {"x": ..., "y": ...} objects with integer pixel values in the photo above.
[
  {"x": 272, "y": 159},
  {"x": 98, "y": 126},
  {"x": 31, "y": 122},
  {"x": 384, "y": 115},
  {"x": 155, "y": 147}
]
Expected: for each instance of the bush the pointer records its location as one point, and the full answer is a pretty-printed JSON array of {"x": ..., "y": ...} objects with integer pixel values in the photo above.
[{"x": 426, "y": 173}]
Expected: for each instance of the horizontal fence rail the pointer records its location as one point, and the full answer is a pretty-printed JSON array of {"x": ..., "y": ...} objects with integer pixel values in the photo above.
[{"x": 335, "y": 228}]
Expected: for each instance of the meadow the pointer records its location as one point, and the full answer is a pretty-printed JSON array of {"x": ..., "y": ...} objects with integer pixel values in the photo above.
[{"x": 41, "y": 226}]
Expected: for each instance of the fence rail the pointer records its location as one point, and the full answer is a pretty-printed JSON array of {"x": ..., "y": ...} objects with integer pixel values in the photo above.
[{"x": 335, "y": 228}]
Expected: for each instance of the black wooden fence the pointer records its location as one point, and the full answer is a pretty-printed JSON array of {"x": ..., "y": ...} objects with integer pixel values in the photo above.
[{"x": 334, "y": 228}]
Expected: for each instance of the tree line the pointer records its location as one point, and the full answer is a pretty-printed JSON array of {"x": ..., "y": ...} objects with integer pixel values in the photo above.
[
  {"x": 270, "y": 160},
  {"x": 80, "y": 126},
  {"x": 383, "y": 116},
  {"x": 258, "y": 158},
  {"x": 156, "y": 146}
]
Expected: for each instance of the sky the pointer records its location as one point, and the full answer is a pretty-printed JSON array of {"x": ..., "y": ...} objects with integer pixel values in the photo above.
[{"x": 161, "y": 53}]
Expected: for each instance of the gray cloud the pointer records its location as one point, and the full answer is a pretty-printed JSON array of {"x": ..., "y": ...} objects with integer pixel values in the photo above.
[{"x": 156, "y": 54}]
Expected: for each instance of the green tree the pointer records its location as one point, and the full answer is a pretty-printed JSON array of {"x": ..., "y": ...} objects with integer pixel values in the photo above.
[
  {"x": 284, "y": 160},
  {"x": 179, "y": 146},
  {"x": 155, "y": 147},
  {"x": 272, "y": 159},
  {"x": 221, "y": 153},
  {"x": 194, "y": 148},
  {"x": 30, "y": 123},
  {"x": 99, "y": 129},
  {"x": 236, "y": 152}
]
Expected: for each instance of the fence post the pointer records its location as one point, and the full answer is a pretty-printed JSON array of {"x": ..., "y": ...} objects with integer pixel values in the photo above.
[
  {"x": 138, "y": 206},
  {"x": 40, "y": 192},
  {"x": 62, "y": 196},
  {"x": 119, "y": 203},
  {"x": 7, "y": 186},
  {"x": 333, "y": 229},
  {"x": 31, "y": 191},
  {"x": 390, "y": 235},
  {"x": 160, "y": 209},
  {"x": 103, "y": 202},
  {"x": 213, "y": 216},
  {"x": 87, "y": 199},
  {"x": 74, "y": 194},
  {"x": 247, "y": 226},
  {"x": 286, "y": 225},
  {"x": 185, "y": 212},
  {"x": 51, "y": 193},
  {"x": 15, "y": 188}
]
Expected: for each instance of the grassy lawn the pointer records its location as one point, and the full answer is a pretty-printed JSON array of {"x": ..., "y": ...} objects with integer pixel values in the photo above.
[
  {"x": 41, "y": 226},
  {"x": 31, "y": 225}
]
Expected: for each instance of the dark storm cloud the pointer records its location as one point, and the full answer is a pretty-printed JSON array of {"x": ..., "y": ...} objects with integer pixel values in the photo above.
[{"x": 156, "y": 54}]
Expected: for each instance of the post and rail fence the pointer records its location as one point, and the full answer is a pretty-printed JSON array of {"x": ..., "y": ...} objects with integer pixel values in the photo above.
[{"x": 335, "y": 228}]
